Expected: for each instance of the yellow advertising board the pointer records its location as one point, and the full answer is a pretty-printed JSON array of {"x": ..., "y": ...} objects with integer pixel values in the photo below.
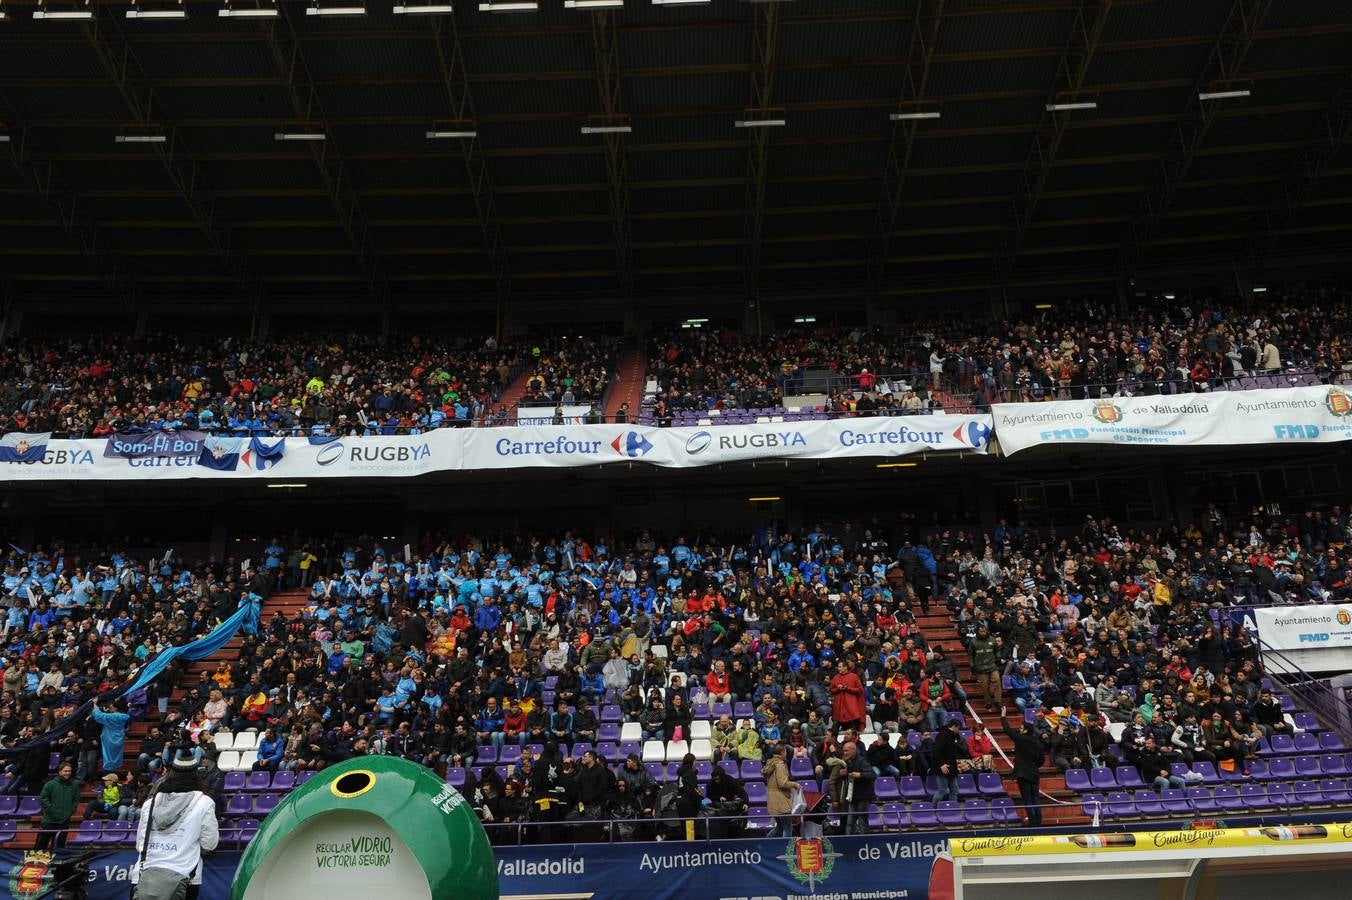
[{"x": 1137, "y": 841}]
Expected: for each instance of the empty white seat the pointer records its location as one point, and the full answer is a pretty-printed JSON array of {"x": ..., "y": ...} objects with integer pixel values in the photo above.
[
  {"x": 700, "y": 730},
  {"x": 676, "y": 750},
  {"x": 630, "y": 731},
  {"x": 702, "y": 749},
  {"x": 894, "y": 738},
  {"x": 247, "y": 760},
  {"x": 246, "y": 740},
  {"x": 223, "y": 740},
  {"x": 659, "y": 650},
  {"x": 228, "y": 761},
  {"x": 867, "y": 740},
  {"x": 654, "y": 751}
]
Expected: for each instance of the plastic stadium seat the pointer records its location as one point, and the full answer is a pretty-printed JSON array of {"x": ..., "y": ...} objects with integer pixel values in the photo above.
[
  {"x": 1330, "y": 741},
  {"x": 755, "y": 793},
  {"x": 1004, "y": 812},
  {"x": 238, "y": 805},
  {"x": 228, "y": 761},
  {"x": 608, "y": 751},
  {"x": 701, "y": 731},
  {"x": 1306, "y": 722},
  {"x": 657, "y": 770},
  {"x": 1102, "y": 779},
  {"x": 1282, "y": 744},
  {"x": 1090, "y": 804},
  {"x": 1202, "y": 801},
  {"x": 700, "y": 711},
  {"x": 949, "y": 813},
  {"x": 1254, "y": 797},
  {"x": 611, "y": 713},
  {"x": 676, "y": 750},
  {"x": 89, "y": 832},
  {"x": 800, "y": 768},
  {"x": 729, "y": 766},
  {"x": 669, "y": 772},
  {"x": 1148, "y": 803},
  {"x": 991, "y": 785},
  {"x": 1259, "y": 770},
  {"x": 245, "y": 740},
  {"x": 1227, "y": 798},
  {"x": 224, "y": 740},
  {"x": 248, "y": 828},
  {"x": 1129, "y": 778},
  {"x": 1120, "y": 805},
  {"x": 1077, "y": 780},
  {"x": 626, "y": 749},
  {"x": 895, "y": 816},
  {"x": 704, "y": 770},
  {"x": 509, "y": 754},
  {"x": 967, "y": 786},
  {"x": 302, "y": 777},
  {"x": 1281, "y": 767},
  {"x": 487, "y": 755},
  {"x": 9, "y": 805},
  {"x": 28, "y": 807},
  {"x": 758, "y": 819},
  {"x": 654, "y": 751},
  {"x": 751, "y": 770},
  {"x": 1308, "y": 767},
  {"x": 266, "y": 803},
  {"x": 258, "y": 781},
  {"x": 115, "y": 832},
  {"x": 283, "y": 781},
  {"x": 1332, "y": 764},
  {"x": 702, "y": 749},
  {"x": 1208, "y": 772},
  {"x": 718, "y": 710},
  {"x": 1282, "y": 796},
  {"x": 630, "y": 731},
  {"x": 1307, "y": 793},
  {"x": 1175, "y": 802},
  {"x": 922, "y": 814},
  {"x": 977, "y": 813},
  {"x": 234, "y": 781},
  {"x": 743, "y": 710},
  {"x": 247, "y": 760},
  {"x": 1307, "y": 743},
  {"x": 1335, "y": 791},
  {"x": 455, "y": 776},
  {"x": 913, "y": 788}
]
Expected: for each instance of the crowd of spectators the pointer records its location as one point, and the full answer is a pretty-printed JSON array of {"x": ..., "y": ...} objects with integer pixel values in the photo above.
[
  {"x": 471, "y": 646},
  {"x": 354, "y": 384},
  {"x": 570, "y": 371}
]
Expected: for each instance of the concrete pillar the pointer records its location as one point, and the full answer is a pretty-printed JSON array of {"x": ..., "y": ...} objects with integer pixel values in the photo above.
[
  {"x": 1124, "y": 291},
  {"x": 999, "y": 304},
  {"x": 219, "y": 535},
  {"x": 751, "y": 316},
  {"x": 1243, "y": 283},
  {"x": 261, "y": 325},
  {"x": 142, "y": 320}
]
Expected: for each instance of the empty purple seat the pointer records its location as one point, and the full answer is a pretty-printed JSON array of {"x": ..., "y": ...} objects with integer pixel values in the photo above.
[
  {"x": 895, "y": 816},
  {"x": 248, "y": 828},
  {"x": 913, "y": 788},
  {"x": 755, "y": 792},
  {"x": 9, "y": 805},
  {"x": 626, "y": 749},
  {"x": 504, "y": 772},
  {"x": 1202, "y": 801},
  {"x": 1306, "y": 722},
  {"x": 1129, "y": 778},
  {"x": 800, "y": 768},
  {"x": 302, "y": 777},
  {"x": 657, "y": 771},
  {"x": 510, "y": 754},
  {"x": 1282, "y": 744},
  {"x": 949, "y": 813},
  {"x": 720, "y": 709},
  {"x": 1148, "y": 803},
  {"x": 1330, "y": 741},
  {"x": 967, "y": 786},
  {"x": 1175, "y": 802},
  {"x": 922, "y": 814},
  {"x": 611, "y": 713},
  {"x": 1307, "y": 767},
  {"x": 885, "y": 788},
  {"x": 977, "y": 813},
  {"x": 1253, "y": 796},
  {"x": 1004, "y": 812},
  {"x": 698, "y": 711},
  {"x": 1102, "y": 779},
  {"x": 234, "y": 781},
  {"x": 743, "y": 710},
  {"x": 115, "y": 832},
  {"x": 1259, "y": 770},
  {"x": 1119, "y": 805},
  {"x": 1227, "y": 798},
  {"x": 551, "y": 682},
  {"x": 1208, "y": 772},
  {"x": 89, "y": 832},
  {"x": 608, "y": 751},
  {"x": 578, "y": 749},
  {"x": 455, "y": 776},
  {"x": 265, "y": 803},
  {"x": 486, "y": 755},
  {"x": 608, "y": 731},
  {"x": 758, "y": 819},
  {"x": 258, "y": 781},
  {"x": 29, "y": 806},
  {"x": 1282, "y": 796},
  {"x": 238, "y": 805},
  {"x": 1077, "y": 780},
  {"x": 1306, "y": 743},
  {"x": 729, "y": 766},
  {"x": 704, "y": 770},
  {"x": 1306, "y": 793},
  {"x": 1281, "y": 767},
  {"x": 1092, "y": 804},
  {"x": 991, "y": 785},
  {"x": 1332, "y": 764},
  {"x": 1334, "y": 791},
  {"x": 751, "y": 770}
]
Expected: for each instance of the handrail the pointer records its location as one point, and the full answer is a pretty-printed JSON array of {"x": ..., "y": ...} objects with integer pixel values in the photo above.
[{"x": 1312, "y": 693}]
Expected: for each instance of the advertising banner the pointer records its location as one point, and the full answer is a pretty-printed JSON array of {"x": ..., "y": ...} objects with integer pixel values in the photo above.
[
  {"x": 544, "y": 415},
  {"x": 1137, "y": 841},
  {"x": 1322, "y": 627},
  {"x": 881, "y": 867},
  {"x": 1320, "y": 414}
]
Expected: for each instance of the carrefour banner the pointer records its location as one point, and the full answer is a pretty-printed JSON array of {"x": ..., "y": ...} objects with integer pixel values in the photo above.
[
  {"x": 544, "y": 415},
  {"x": 885, "y": 866},
  {"x": 585, "y": 445},
  {"x": 1305, "y": 627},
  {"x": 1302, "y": 415}
]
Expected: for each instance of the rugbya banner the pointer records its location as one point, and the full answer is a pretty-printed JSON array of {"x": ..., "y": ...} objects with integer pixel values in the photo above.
[
  {"x": 890, "y": 867},
  {"x": 1320, "y": 627},
  {"x": 1320, "y": 414},
  {"x": 458, "y": 449}
]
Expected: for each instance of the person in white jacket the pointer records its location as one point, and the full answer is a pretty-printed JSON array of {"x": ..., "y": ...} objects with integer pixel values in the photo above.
[{"x": 182, "y": 825}]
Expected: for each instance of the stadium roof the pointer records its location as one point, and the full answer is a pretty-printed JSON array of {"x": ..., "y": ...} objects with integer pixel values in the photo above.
[{"x": 840, "y": 200}]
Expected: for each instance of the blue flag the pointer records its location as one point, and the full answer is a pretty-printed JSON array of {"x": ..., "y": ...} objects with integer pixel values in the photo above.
[
  {"x": 264, "y": 455},
  {"x": 221, "y": 453},
  {"x": 20, "y": 447}
]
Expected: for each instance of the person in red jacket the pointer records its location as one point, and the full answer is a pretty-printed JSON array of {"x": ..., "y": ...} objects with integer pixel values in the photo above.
[
  {"x": 934, "y": 697},
  {"x": 981, "y": 748},
  {"x": 719, "y": 684},
  {"x": 847, "y": 703}
]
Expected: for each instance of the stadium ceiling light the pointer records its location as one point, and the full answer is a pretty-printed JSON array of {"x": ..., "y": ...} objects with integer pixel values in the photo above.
[
  {"x": 682, "y": 2},
  {"x": 306, "y": 134},
  {"x": 506, "y": 6},
  {"x": 759, "y": 123},
  {"x": 249, "y": 12},
  {"x": 288, "y": 484},
  {"x": 171, "y": 12},
  {"x": 762, "y": 499},
  {"x": 425, "y": 9},
  {"x": 67, "y": 15},
  {"x": 1223, "y": 95},
  {"x": 4, "y": 137},
  {"x": 446, "y": 135},
  {"x": 909, "y": 116},
  {"x": 1256, "y": 290},
  {"x": 607, "y": 129},
  {"x": 1067, "y": 107},
  {"x": 592, "y": 4},
  {"x": 909, "y": 465},
  {"x": 140, "y": 139},
  {"x": 314, "y": 9}
]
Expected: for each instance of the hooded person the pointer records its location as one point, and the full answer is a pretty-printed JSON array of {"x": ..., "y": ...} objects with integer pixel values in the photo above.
[{"x": 177, "y": 824}]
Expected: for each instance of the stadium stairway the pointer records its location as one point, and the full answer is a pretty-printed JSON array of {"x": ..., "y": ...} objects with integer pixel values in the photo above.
[
  {"x": 631, "y": 374},
  {"x": 939, "y": 628},
  {"x": 513, "y": 393}
]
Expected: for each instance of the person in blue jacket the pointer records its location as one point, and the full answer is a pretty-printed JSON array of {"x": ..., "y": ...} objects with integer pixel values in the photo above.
[
  {"x": 113, "y": 717},
  {"x": 254, "y": 605},
  {"x": 270, "y": 751}
]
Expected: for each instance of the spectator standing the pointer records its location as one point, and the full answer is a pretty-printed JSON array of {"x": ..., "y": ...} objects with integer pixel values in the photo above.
[
  {"x": 182, "y": 820},
  {"x": 848, "y": 703},
  {"x": 58, "y": 799},
  {"x": 1029, "y": 751},
  {"x": 778, "y": 792},
  {"x": 948, "y": 749}
]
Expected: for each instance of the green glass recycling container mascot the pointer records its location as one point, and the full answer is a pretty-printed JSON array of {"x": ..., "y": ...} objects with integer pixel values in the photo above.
[{"x": 373, "y": 827}]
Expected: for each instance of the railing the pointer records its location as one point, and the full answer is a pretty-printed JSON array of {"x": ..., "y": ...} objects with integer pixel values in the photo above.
[{"x": 1317, "y": 696}]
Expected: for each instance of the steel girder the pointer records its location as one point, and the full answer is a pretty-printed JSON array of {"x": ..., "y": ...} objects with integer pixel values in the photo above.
[
  {"x": 1223, "y": 66},
  {"x": 304, "y": 99},
  {"x": 456, "y": 80},
  {"x": 764, "y": 36},
  {"x": 606, "y": 44},
  {"x": 1071, "y": 71},
  {"x": 1330, "y": 135},
  {"x": 41, "y": 177},
  {"x": 915, "y": 75},
  {"x": 116, "y": 56}
]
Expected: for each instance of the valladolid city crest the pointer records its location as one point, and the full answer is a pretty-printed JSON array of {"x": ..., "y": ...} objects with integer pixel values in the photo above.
[
  {"x": 30, "y": 877},
  {"x": 810, "y": 860}
]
